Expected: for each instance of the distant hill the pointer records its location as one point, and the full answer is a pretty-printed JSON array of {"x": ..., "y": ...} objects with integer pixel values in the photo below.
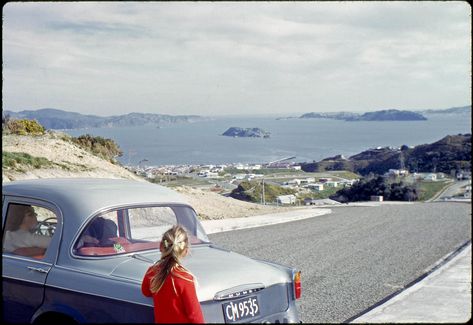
[
  {"x": 383, "y": 115},
  {"x": 335, "y": 116},
  {"x": 453, "y": 110},
  {"x": 450, "y": 153},
  {"x": 391, "y": 115},
  {"x": 52, "y": 118}
]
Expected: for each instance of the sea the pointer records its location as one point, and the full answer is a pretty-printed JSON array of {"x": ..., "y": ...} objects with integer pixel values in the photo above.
[{"x": 303, "y": 140}]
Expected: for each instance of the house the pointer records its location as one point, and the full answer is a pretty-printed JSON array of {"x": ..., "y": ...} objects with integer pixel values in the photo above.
[
  {"x": 203, "y": 173},
  {"x": 294, "y": 182},
  {"x": 242, "y": 167},
  {"x": 430, "y": 177},
  {"x": 286, "y": 199},
  {"x": 332, "y": 184},
  {"x": 307, "y": 180},
  {"x": 348, "y": 182},
  {"x": 239, "y": 176},
  {"x": 316, "y": 187},
  {"x": 398, "y": 172}
]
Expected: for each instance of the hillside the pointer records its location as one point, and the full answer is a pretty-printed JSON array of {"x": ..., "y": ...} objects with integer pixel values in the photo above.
[
  {"x": 450, "y": 153},
  {"x": 382, "y": 115},
  {"x": 58, "y": 119},
  {"x": 65, "y": 159},
  {"x": 453, "y": 110},
  {"x": 60, "y": 157}
]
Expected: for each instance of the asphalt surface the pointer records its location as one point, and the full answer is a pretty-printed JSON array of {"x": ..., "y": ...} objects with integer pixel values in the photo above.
[
  {"x": 454, "y": 189},
  {"x": 354, "y": 257}
]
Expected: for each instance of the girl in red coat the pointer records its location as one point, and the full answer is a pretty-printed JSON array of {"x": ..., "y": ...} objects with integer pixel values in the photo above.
[{"x": 170, "y": 284}]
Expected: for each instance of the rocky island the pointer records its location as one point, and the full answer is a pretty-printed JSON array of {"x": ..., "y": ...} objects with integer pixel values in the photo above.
[{"x": 246, "y": 133}]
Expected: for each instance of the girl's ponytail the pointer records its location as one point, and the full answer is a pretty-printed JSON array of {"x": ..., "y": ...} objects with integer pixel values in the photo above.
[{"x": 174, "y": 246}]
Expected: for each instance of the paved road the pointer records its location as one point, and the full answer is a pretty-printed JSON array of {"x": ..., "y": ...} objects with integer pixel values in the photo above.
[
  {"x": 454, "y": 189},
  {"x": 356, "y": 256}
]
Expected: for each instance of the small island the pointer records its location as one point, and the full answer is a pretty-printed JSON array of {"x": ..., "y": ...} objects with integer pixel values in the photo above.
[{"x": 246, "y": 133}]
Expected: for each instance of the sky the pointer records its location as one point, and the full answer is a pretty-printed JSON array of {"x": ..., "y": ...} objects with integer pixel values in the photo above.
[{"x": 221, "y": 58}]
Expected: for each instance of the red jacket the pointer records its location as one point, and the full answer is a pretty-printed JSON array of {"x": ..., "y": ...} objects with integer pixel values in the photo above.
[{"x": 169, "y": 307}]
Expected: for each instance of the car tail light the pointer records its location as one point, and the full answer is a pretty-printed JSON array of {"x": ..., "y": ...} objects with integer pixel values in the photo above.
[{"x": 297, "y": 284}]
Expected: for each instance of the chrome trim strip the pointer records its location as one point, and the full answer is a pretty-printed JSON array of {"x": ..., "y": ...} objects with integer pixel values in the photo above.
[{"x": 239, "y": 291}]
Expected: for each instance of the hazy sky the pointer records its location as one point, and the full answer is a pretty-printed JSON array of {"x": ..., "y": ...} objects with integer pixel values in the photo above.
[{"x": 214, "y": 58}]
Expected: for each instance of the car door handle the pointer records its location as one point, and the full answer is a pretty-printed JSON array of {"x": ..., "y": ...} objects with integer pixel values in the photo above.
[{"x": 38, "y": 269}]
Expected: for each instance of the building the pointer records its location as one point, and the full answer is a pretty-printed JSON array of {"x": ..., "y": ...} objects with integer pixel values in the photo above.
[
  {"x": 398, "y": 172},
  {"x": 316, "y": 187},
  {"x": 286, "y": 199},
  {"x": 332, "y": 184},
  {"x": 430, "y": 177},
  {"x": 377, "y": 198}
]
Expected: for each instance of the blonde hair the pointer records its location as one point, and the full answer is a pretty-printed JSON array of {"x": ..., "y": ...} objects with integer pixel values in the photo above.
[{"x": 175, "y": 244}]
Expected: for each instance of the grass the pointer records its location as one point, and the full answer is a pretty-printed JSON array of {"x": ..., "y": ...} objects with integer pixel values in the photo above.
[
  {"x": 265, "y": 171},
  {"x": 344, "y": 174},
  {"x": 427, "y": 189},
  {"x": 21, "y": 161},
  {"x": 328, "y": 191},
  {"x": 18, "y": 160}
]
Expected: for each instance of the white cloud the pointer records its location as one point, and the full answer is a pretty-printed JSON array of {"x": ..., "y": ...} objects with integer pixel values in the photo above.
[{"x": 216, "y": 58}]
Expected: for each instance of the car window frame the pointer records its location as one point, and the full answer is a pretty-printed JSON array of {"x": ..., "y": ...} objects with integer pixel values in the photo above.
[{"x": 52, "y": 252}]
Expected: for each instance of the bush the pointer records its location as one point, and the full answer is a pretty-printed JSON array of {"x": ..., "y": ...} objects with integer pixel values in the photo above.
[
  {"x": 24, "y": 127},
  {"x": 365, "y": 188},
  {"x": 104, "y": 148}
]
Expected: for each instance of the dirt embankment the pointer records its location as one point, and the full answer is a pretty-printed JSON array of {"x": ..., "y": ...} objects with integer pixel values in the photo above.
[{"x": 73, "y": 161}]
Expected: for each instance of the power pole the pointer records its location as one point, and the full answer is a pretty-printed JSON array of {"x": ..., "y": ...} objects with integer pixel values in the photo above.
[{"x": 263, "y": 198}]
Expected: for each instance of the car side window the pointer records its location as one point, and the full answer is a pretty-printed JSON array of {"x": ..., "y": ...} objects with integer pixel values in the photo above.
[
  {"x": 28, "y": 230},
  {"x": 102, "y": 231}
]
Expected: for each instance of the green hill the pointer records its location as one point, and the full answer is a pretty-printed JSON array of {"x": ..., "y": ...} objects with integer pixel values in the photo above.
[{"x": 450, "y": 153}]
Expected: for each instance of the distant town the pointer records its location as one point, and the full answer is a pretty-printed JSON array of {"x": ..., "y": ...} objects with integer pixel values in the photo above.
[{"x": 308, "y": 188}]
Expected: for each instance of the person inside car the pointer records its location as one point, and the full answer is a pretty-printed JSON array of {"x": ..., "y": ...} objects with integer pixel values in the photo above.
[
  {"x": 99, "y": 233},
  {"x": 20, "y": 238}
]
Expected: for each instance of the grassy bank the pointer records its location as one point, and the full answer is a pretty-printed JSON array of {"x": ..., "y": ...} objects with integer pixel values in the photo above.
[{"x": 428, "y": 189}]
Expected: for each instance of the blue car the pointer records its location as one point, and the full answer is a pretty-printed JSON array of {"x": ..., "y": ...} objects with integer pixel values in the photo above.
[{"x": 75, "y": 251}]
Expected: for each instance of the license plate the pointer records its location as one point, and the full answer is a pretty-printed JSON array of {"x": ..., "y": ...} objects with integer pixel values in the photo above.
[{"x": 241, "y": 309}]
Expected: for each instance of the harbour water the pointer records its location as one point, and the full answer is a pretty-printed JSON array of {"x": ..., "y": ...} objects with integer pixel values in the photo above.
[{"x": 306, "y": 139}]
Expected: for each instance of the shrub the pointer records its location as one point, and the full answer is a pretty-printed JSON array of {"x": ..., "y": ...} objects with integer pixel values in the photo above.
[
  {"x": 365, "y": 188},
  {"x": 104, "y": 148},
  {"x": 24, "y": 127}
]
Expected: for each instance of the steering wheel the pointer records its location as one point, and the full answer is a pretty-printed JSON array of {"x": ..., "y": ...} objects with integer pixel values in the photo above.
[{"x": 46, "y": 227}]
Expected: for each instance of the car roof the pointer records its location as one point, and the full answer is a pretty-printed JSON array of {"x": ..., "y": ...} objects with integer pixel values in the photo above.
[{"x": 89, "y": 195}]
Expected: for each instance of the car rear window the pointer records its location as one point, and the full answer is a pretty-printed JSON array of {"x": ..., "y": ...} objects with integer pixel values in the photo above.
[{"x": 134, "y": 229}]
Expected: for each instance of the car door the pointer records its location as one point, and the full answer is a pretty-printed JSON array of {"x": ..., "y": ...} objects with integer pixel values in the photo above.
[{"x": 23, "y": 277}]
